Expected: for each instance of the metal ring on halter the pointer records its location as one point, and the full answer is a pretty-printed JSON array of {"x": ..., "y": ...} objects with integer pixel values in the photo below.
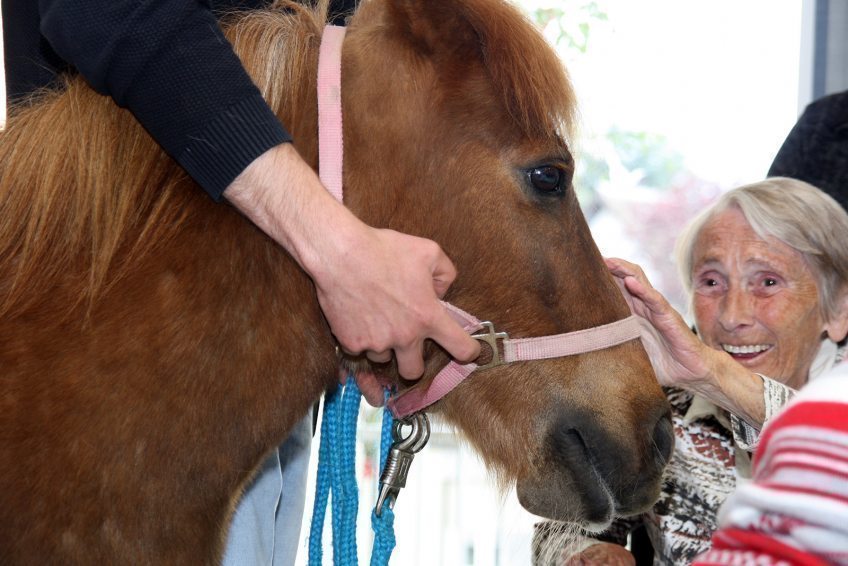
[{"x": 418, "y": 436}]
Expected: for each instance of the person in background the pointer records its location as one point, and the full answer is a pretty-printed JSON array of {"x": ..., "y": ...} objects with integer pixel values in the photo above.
[
  {"x": 795, "y": 510},
  {"x": 816, "y": 149},
  {"x": 768, "y": 281},
  {"x": 169, "y": 64}
]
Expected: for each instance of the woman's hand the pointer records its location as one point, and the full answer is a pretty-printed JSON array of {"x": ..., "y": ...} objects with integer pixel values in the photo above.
[{"x": 679, "y": 357}]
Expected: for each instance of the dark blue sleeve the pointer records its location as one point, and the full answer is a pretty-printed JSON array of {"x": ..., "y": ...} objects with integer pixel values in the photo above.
[{"x": 168, "y": 63}]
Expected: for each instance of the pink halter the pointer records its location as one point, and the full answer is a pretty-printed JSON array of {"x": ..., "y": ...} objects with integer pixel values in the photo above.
[{"x": 330, "y": 160}]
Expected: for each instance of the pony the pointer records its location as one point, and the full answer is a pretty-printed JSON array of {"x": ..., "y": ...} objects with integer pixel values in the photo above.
[{"x": 155, "y": 345}]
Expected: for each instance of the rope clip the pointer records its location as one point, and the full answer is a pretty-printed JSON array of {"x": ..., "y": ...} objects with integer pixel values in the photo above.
[{"x": 400, "y": 457}]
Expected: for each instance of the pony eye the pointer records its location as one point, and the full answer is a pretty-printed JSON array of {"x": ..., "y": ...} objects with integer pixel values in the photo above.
[{"x": 548, "y": 179}]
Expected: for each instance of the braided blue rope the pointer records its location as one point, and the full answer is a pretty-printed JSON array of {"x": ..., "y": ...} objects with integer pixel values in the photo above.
[
  {"x": 384, "y": 525},
  {"x": 337, "y": 476},
  {"x": 323, "y": 481},
  {"x": 345, "y": 531}
]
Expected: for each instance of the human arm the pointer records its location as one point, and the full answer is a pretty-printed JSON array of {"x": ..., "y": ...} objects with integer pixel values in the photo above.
[
  {"x": 794, "y": 511},
  {"x": 393, "y": 304},
  {"x": 169, "y": 64},
  {"x": 681, "y": 359}
]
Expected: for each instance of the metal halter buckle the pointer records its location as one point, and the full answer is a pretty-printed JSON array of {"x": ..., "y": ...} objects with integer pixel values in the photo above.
[{"x": 491, "y": 338}]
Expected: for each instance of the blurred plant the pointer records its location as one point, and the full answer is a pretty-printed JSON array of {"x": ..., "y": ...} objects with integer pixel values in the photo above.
[
  {"x": 650, "y": 154},
  {"x": 573, "y": 29},
  {"x": 656, "y": 224}
]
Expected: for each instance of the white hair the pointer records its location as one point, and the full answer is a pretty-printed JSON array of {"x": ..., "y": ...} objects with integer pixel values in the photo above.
[{"x": 798, "y": 214}]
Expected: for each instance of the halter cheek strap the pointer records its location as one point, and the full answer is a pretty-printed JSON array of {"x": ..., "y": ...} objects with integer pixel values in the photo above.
[{"x": 330, "y": 160}]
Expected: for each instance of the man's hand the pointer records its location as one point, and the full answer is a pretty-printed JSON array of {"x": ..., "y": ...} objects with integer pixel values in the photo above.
[
  {"x": 378, "y": 289},
  {"x": 380, "y": 293}
]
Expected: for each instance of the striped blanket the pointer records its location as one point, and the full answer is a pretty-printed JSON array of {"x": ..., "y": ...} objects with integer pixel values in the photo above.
[{"x": 795, "y": 510}]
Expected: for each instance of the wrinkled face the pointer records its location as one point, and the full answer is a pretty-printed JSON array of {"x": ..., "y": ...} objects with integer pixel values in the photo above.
[{"x": 756, "y": 299}]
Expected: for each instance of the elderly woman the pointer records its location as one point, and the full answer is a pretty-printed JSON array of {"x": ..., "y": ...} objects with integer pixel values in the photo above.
[{"x": 766, "y": 268}]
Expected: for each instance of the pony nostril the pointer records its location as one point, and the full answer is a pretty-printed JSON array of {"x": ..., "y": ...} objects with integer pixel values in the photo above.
[
  {"x": 663, "y": 439},
  {"x": 568, "y": 446}
]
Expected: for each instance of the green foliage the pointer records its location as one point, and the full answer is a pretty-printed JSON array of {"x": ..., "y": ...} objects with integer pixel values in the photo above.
[
  {"x": 649, "y": 153},
  {"x": 572, "y": 19},
  {"x": 648, "y": 157}
]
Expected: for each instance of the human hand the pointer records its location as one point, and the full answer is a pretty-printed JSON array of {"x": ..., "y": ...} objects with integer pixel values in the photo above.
[
  {"x": 379, "y": 289},
  {"x": 601, "y": 554},
  {"x": 393, "y": 304},
  {"x": 679, "y": 357}
]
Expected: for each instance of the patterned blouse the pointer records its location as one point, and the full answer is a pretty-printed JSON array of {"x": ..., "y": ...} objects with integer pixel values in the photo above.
[{"x": 701, "y": 474}]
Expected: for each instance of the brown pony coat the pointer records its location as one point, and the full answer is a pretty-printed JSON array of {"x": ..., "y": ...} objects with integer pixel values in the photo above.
[{"x": 154, "y": 346}]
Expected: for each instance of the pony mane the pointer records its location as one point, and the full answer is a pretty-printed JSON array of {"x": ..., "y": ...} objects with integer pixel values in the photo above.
[
  {"x": 85, "y": 192},
  {"x": 278, "y": 47},
  {"x": 80, "y": 183}
]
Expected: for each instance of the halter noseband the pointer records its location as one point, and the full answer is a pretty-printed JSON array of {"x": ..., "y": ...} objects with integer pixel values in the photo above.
[{"x": 330, "y": 160}]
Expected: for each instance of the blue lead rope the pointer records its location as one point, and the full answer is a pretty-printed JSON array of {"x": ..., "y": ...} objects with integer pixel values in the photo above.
[
  {"x": 336, "y": 482},
  {"x": 384, "y": 525}
]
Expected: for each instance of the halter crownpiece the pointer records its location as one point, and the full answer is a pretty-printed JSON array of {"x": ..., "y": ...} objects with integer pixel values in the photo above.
[
  {"x": 330, "y": 160},
  {"x": 330, "y": 145}
]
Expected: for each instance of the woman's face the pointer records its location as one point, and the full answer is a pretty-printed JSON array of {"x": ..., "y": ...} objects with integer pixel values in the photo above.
[{"x": 756, "y": 299}]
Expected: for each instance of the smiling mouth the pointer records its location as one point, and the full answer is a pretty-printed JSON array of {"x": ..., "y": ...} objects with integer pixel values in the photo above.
[{"x": 746, "y": 351}]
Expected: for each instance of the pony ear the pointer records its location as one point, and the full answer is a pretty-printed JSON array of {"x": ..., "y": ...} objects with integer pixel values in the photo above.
[
  {"x": 435, "y": 28},
  {"x": 526, "y": 73}
]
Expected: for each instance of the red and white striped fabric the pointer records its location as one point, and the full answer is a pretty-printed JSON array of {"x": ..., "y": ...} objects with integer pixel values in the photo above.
[{"x": 795, "y": 510}]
